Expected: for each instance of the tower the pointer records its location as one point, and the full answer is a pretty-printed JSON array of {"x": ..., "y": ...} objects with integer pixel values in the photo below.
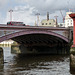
[{"x": 47, "y": 16}]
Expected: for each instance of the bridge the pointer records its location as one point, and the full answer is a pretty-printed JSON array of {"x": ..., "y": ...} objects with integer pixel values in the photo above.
[{"x": 37, "y": 36}]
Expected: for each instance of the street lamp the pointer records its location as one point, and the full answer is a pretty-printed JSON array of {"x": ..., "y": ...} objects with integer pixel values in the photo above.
[
  {"x": 37, "y": 18},
  {"x": 11, "y": 14}
]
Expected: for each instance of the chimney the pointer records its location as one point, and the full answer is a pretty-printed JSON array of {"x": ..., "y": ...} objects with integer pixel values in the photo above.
[{"x": 47, "y": 16}]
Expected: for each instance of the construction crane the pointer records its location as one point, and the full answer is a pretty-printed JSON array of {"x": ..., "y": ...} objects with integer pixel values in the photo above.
[{"x": 62, "y": 16}]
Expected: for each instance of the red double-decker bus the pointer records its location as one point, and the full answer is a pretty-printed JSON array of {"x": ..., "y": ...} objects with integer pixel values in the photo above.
[{"x": 16, "y": 23}]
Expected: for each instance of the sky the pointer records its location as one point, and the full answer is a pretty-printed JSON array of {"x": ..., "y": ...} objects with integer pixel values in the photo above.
[{"x": 26, "y": 10}]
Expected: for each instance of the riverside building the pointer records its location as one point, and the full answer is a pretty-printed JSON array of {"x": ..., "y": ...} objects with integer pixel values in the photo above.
[
  {"x": 48, "y": 22},
  {"x": 68, "y": 20}
]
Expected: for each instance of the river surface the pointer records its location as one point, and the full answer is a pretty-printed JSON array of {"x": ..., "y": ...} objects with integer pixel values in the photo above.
[{"x": 34, "y": 64}]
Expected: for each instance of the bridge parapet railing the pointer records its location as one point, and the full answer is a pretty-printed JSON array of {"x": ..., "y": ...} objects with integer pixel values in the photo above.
[
  {"x": 6, "y": 30},
  {"x": 4, "y": 33}
]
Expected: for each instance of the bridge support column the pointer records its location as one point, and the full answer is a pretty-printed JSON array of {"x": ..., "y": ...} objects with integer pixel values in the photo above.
[
  {"x": 15, "y": 49},
  {"x": 72, "y": 58},
  {"x": 73, "y": 17},
  {"x": 1, "y": 56},
  {"x": 21, "y": 49}
]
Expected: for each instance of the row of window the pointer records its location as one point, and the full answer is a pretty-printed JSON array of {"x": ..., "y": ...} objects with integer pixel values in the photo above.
[
  {"x": 46, "y": 23},
  {"x": 69, "y": 23},
  {"x": 69, "y": 20}
]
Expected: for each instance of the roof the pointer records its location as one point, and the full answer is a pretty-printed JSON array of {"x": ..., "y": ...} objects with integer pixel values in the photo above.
[
  {"x": 16, "y": 21},
  {"x": 45, "y": 20}
]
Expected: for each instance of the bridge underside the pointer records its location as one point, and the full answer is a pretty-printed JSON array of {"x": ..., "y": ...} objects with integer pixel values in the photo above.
[{"x": 40, "y": 40}]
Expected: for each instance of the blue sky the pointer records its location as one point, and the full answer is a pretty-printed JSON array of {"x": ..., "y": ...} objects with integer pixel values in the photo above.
[{"x": 26, "y": 9}]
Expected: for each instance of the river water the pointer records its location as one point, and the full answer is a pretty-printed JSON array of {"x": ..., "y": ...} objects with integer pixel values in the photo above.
[{"x": 34, "y": 64}]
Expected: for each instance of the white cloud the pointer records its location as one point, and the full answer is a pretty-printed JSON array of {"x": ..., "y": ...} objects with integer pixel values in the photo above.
[
  {"x": 43, "y": 6},
  {"x": 22, "y": 1},
  {"x": 53, "y": 5},
  {"x": 2, "y": 19},
  {"x": 3, "y": 3}
]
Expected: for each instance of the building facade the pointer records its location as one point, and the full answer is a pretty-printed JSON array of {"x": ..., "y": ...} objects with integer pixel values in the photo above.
[
  {"x": 50, "y": 22},
  {"x": 68, "y": 20}
]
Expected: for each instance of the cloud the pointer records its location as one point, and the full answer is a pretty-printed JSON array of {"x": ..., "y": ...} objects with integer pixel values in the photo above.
[
  {"x": 2, "y": 19},
  {"x": 3, "y": 3},
  {"x": 50, "y": 5}
]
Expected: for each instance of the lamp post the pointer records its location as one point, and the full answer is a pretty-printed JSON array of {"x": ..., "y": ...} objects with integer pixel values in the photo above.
[
  {"x": 11, "y": 14},
  {"x": 37, "y": 18}
]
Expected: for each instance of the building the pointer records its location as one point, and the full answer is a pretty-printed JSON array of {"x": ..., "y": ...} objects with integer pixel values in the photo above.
[
  {"x": 48, "y": 22},
  {"x": 68, "y": 20},
  {"x": 6, "y": 43}
]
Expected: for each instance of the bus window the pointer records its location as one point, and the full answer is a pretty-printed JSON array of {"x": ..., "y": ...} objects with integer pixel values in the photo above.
[{"x": 16, "y": 23}]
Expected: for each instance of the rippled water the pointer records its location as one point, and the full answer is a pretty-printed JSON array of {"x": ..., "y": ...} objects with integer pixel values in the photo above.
[{"x": 34, "y": 64}]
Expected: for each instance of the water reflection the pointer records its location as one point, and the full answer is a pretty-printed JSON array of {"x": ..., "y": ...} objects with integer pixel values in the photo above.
[
  {"x": 35, "y": 64},
  {"x": 72, "y": 64}
]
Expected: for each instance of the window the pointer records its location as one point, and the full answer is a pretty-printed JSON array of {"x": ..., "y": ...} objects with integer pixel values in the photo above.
[
  {"x": 71, "y": 23},
  {"x": 46, "y": 23},
  {"x": 67, "y": 23},
  {"x": 61, "y": 25},
  {"x": 15, "y": 23},
  {"x": 71, "y": 20},
  {"x": 42, "y": 23},
  {"x": 49, "y": 23},
  {"x": 67, "y": 20}
]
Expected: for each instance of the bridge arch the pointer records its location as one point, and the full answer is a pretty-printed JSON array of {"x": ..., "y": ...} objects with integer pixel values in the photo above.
[{"x": 20, "y": 33}]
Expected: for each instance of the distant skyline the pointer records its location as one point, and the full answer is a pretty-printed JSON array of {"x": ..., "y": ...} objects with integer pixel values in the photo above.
[{"x": 26, "y": 9}]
